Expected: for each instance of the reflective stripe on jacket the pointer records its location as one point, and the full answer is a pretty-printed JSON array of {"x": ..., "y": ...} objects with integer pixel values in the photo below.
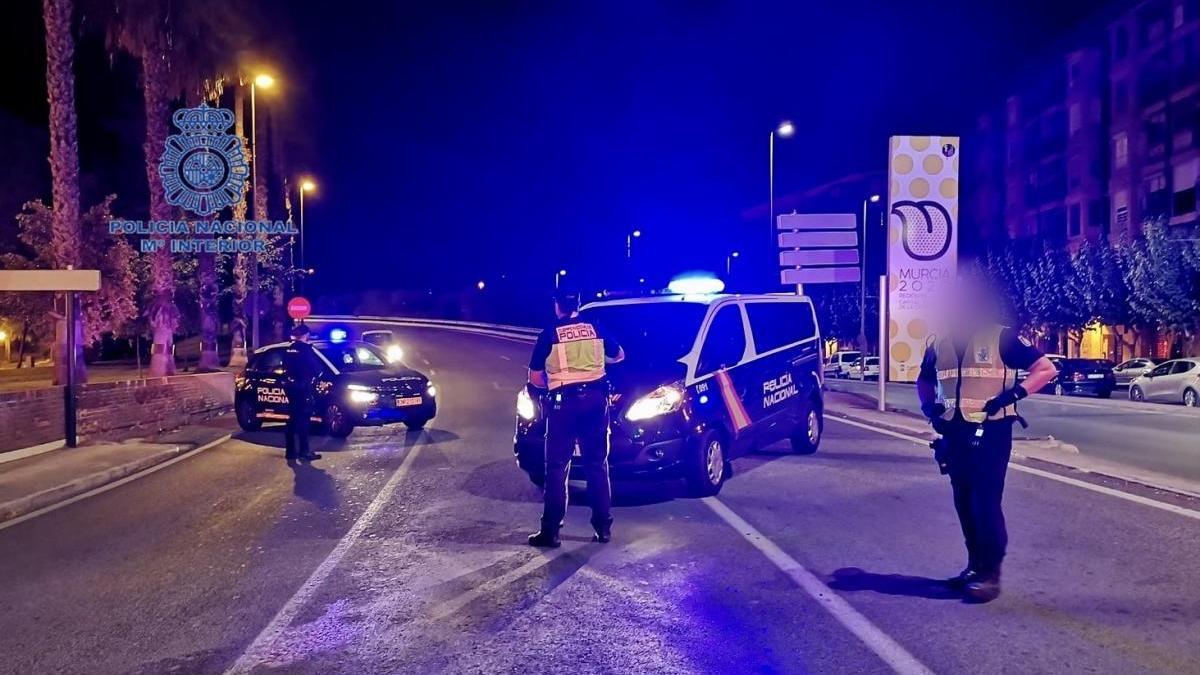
[
  {"x": 576, "y": 357},
  {"x": 981, "y": 375}
]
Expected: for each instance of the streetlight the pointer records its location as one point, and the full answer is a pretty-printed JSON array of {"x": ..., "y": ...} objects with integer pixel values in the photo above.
[
  {"x": 629, "y": 243},
  {"x": 785, "y": 130},
  {"x": 558, "y": 277},
  {"x": 266, "y": 82},
  {"x": 7, "y": 351},
  {"x": 729, "y": 264},
  {"x": 306, "y": 185},
  {"x": 862, "y": 294},
  {"x": 481, "y": 285}
]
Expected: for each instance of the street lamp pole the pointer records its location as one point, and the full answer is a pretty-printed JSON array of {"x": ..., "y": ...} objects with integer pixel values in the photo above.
[
  {"x": 729, "y": 264},
  {"x": 558, "y": 277},
  {"x": 862, "y": 288},
  {"x": 785, "y": 130}
]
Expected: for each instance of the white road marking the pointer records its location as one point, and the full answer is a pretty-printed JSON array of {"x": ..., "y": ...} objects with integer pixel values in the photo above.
[
  {"x": 260, "y": 649},
  {"x": 449, "y": 607},
  {"x": 506, "y": 358},
  {"x": 887, "y": 649},
  {"x": 1137, "y": 499},
  {"x": 113, "y": 485}
]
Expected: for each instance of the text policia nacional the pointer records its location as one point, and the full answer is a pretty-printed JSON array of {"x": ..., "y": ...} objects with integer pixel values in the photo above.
[{"x": 202, "y": 236}]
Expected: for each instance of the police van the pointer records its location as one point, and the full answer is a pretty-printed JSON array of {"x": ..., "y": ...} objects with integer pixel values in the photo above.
[
  {"x": 356, "y": 385},
  {"x": 706, "y": 378}
]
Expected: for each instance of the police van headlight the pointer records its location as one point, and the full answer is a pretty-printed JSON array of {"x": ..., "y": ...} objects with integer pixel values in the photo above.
[
  {"x": 361, "y": 394},
  {"x": 664, "y": 400},
  {"x": 526, "y": 408}
]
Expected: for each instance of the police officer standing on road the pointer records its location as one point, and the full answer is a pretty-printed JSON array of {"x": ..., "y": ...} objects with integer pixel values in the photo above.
[
  {"x": 569, "y": 361},
  {"x": 968, "y": 389},
  {"x": 300, "y": 369}
]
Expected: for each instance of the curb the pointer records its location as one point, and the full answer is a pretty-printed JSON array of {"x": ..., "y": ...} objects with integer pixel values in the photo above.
[{"x": 37, "y": 501}]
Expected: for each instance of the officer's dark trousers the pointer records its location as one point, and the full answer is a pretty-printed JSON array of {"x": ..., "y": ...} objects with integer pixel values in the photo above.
[
  {"x": 577, "y": 414},
  {"x": 977, "y": 477},
  {"x": 298, "y": 422}
]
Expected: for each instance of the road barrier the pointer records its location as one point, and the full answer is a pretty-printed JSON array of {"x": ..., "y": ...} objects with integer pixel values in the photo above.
[{"x": 519, "y": 333}]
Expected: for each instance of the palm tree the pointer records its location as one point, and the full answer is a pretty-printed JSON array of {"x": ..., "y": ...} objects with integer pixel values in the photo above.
[{"x": 64, "y": 162}]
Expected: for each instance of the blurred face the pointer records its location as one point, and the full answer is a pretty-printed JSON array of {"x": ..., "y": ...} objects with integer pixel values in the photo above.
[{"x": 967, "y": 307}]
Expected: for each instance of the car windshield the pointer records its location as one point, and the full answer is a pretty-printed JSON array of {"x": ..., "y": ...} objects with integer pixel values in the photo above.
[
  {"x": 354, "y": 356},
  {"x": 655, "y": 332}
]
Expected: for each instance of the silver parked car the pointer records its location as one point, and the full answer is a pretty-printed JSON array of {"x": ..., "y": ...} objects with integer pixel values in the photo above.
[
  {"x": 1128, "y": 371},
  {"x": 1176, "y": 381},
  {"x": 838, "y": 365}
]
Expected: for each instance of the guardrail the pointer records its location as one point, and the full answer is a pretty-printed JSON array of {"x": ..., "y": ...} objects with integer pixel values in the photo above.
[{"x": 518, "y": 333}]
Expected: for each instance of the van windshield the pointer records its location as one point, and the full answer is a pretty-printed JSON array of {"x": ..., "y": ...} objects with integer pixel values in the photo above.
[{"x": 653, "y": 332}]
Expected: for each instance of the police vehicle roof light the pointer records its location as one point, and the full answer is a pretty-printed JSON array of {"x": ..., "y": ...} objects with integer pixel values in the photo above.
[
  {"x": 696, "y": 285},
  {"x": 338, "y": 335}
]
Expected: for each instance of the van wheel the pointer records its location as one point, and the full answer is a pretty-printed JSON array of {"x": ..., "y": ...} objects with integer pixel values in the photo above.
[
  {"x": 705, "y": 471},
  {"x": 1190, "y": 398},
  {"x": 1136, "y": 394},
  {"x": 247, "y": 416},
  {"x": 807, "y": 438},
  {"x": 336, "y": 422}
]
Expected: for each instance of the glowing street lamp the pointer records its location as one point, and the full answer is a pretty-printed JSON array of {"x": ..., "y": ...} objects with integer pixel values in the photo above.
[
  {"x": 481, "y": 285},
  {"x": 266, "y": 82},
  {"x": 558, "y": 277},
  {"x": 862, "y": 288},
  {"x": 629, "y": 243},
  {"x": 785, "y": 130},
  {"x": 729, "y": 263}
]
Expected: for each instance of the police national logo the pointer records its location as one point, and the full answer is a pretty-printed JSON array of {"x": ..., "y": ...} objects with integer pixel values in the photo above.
[{"x": 203, "y": 169}]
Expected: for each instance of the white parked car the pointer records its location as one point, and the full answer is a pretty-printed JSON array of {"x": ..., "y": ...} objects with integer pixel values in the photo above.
[
  {"x": 839, "y": 364},
  {"x": 1128, "y": 371},
  {"x": 1175, "y": 381},
  {"x": 872, "y": 368}
]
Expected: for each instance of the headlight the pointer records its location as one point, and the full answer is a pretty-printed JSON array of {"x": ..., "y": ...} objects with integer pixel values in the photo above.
[
  {"x": 361, "y": 394},
  {"x": 431, "y": 390},
  {"x": 661, "y": 401},
  {"x": 394, "y": 353},
  {"x": 526, "y": 408}
]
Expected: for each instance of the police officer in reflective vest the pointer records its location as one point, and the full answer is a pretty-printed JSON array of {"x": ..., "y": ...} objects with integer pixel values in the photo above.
[
  {"x": 568, "y": 364},
  {"x": 300, "y": 369},
  {"x": 969, "y": 390}
]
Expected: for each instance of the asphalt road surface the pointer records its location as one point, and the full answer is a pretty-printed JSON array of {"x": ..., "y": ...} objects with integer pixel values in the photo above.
[
  {"x": 405, "y": 552},
  {"x": 1158, "y": 437}
]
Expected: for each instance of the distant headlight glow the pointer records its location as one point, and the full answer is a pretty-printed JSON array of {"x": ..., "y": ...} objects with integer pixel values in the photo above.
[
  {"x": 361, "y": 394},
  {"x": 431, "y": 390},
  {"x": 526, "y": 408},
  {"x": 394, "y": 353},
  {"x": 661, "y": 401}
]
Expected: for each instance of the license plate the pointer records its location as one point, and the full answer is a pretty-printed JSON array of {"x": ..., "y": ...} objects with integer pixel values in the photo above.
[
  {"x": 409, "y": 401},
  {"x": 1095, "y": 376}
]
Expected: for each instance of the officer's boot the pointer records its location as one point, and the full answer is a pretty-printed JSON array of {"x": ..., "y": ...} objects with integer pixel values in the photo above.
[
  {"x": 985, "y": 588},
  {"x": 545, "y": 538},
  {"x": 603, "y": 530},
  {"x": 964, "y": 577}
]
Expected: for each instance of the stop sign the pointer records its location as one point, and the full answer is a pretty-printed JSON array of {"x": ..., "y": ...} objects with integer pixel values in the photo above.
[{"x": 299, "y": 308}]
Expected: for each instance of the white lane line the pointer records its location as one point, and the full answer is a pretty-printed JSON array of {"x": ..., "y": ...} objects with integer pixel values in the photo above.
[
  {"x": 260, "y": 649},
  {"x": 1137, "y": 499},
  {"x": 453, "y": 605},
  {"x": 875, "y": 639},
  {"x": 113, "y": 485}
]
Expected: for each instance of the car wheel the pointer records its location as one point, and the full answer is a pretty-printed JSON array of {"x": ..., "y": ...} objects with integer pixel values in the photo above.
[
  {"x": 1058, "y": 390},
  {"x": 1136, "y": 394},
  {"x": 1190, "y": 398},
  {"x": 416, "y": 423},
  {"x": 705, "y": 471},
  {"x": 247, "y": 415},
  {"x": 807, "y": 438},
  {"x": 337, "y": 424}
]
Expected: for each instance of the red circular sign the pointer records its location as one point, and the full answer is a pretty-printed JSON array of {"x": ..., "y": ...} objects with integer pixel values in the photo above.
[{"x": 299, "y": 308}]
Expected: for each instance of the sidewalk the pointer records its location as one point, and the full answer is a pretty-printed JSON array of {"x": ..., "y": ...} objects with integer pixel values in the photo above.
[
  {"x": 33, "y": 483},
  {"x": 862, "y": 409}
]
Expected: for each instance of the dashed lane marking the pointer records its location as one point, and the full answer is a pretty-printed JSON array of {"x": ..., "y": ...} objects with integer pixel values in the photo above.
[
  {"x": 887, "y": 649},
  {"x": 1137, "y": 499},
  {"x": 260, "y": 649}
]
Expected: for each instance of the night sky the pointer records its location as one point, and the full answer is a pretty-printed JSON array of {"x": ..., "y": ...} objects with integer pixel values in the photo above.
[{"x": 459, "y": 141}]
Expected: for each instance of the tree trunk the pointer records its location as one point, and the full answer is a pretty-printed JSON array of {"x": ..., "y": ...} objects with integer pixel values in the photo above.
[
  {"x": 24, "y": 342},
  {"x": 64, "y": 162},
  {"x": 163, "y": 315},
  {"x": 241, "y": 261}
]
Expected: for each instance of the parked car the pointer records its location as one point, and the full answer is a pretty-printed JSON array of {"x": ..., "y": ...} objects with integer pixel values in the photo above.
[
  {"x": 1177, "y": 380},
  {"x": 872, "y": 368},
  {"x": 706, "y": 379},
  {"x": 1082, "y": 376},
  {"x": 1128, "y": 371},
  {"x": 839, "y": 364}
]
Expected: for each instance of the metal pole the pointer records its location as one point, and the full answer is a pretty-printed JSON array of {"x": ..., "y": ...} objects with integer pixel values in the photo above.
[
  {"x": 862, "y": 295},
  {"x": 69, "y": 402},
  {"x": 884, "y": 366},
  {"x": 302, "y": 227},
  {"x": 254, "y": 283},
  {"x": 771, "y": 203}
]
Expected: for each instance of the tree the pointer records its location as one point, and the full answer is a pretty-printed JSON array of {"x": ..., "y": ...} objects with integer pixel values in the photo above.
[
  {"x": 1163, "y": 284},
  {"x": 64, "y": 159}
]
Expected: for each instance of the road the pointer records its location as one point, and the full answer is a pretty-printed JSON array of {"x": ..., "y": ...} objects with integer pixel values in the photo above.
[
  {"x": 404, "y": 552},
  {"x": 1156, "y": 437}
]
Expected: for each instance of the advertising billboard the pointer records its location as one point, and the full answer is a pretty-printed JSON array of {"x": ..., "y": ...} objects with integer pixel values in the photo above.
[{"x": 922, "y": 242}]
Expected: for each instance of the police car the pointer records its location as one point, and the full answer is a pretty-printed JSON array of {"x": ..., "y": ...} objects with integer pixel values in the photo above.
[
  {"x": 357, "y": 385},
  {"x": 706, "y": 378}
]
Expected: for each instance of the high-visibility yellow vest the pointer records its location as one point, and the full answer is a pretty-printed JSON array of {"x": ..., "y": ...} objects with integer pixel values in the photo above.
[
  {"x": 981, "y": 375},
  {"x": 576, "y": 357}
]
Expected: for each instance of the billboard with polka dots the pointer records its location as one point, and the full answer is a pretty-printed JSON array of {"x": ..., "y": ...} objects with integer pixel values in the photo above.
[{"x": 922, "y": 243}]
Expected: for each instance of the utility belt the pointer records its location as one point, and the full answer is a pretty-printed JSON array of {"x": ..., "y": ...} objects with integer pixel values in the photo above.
[
  {"x": 600, "y": 386},
  {"x": 974, "y": 432}
]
